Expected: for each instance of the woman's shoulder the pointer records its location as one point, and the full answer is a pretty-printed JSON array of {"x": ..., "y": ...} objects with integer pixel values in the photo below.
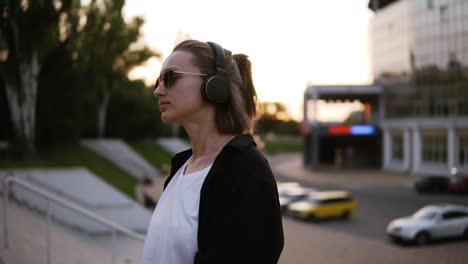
[
  {"x": 247, "y": 163},
  {"x": 244, "y": 148}
]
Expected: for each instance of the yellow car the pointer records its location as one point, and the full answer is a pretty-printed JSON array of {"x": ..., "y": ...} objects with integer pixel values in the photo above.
[{"x": 324, "y": 204}]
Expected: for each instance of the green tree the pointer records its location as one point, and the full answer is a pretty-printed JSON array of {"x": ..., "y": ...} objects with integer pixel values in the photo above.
[
  {"x": 65, "y": 105},
  {"x": 30, "y": 30},
  {"x": 133, "y": 113},
  {"x": 275, "y": 118},
  {"x": 355, "y": 117},
  {"x": 107, "y": 50}
]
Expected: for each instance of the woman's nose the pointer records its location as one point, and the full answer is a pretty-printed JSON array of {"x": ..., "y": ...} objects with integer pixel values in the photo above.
[{"x": 159, "y": 91}]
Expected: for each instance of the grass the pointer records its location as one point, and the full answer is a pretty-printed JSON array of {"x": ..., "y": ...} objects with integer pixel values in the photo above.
[
  {"x": 277, "y": 146},
  {"x": 152, "y": 153},
  {"x": 73, "y": 155}
]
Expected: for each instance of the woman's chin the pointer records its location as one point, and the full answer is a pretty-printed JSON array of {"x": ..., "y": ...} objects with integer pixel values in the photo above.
[{"x": 167, "y": 119}]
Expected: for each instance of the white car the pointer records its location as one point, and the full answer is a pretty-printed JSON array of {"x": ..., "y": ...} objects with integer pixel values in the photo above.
[
  {"x": 290, "y": 192},
  {"x": 431, "y": 222},
  {"x": 285, "y": 187}
]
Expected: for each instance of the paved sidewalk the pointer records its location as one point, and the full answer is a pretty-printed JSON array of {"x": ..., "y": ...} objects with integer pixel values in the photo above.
[
  {"x": 307, "y": 243},
  {"x": 290, "y": 167}
]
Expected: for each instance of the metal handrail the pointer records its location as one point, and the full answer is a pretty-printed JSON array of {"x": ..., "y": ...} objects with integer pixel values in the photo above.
[{"x": 52, "y": 197}]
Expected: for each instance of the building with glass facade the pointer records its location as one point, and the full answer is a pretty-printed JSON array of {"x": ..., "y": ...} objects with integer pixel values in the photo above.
[{"x": 420, "y": 59}]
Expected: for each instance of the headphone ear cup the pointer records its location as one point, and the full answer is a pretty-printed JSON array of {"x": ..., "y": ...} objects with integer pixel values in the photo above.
[{"x": 216, "y": 89}]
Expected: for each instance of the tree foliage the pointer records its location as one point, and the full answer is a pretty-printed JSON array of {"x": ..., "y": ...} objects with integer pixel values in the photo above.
[
  {"x": 81, "y": 56},
  {"x": 30, "y": 31},
  {"x": 105, "y": 53},
  {"x": 133, "y": 113},
  {"x": 274, "y": 118}
]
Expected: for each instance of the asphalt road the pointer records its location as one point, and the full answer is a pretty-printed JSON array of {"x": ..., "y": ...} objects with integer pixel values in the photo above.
[
  {"x": 380, "y": 205},
  {"x": 362, "y": 238}
]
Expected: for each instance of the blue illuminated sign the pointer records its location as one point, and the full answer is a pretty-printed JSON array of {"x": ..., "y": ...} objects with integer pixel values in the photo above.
[{"x": 362, "y": 130}]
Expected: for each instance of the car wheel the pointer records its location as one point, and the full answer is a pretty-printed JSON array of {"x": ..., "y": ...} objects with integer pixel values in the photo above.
[
  {"x": 394, "y": 239},
  {"x": 465, "y": 234},
  {"x": 345, "y": 214},
  {"x": 310, "y": 217},
  {"x": 422, "y": 238}
]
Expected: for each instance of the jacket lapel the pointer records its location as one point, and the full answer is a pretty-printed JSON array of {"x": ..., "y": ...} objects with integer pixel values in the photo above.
[{"x": 176, "y": 162}]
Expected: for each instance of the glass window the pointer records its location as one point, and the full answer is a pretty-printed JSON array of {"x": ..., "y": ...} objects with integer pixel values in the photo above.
[
  {"x": 434, "y": 148},
  {"x": 314, "y": 201},
  {"x": 336, "y": 200},
  {"x": 443, "y": 13},
  {"x": 454, "y": 214},
  {"x": 397, "y": 147},
  {"x": 426, "y": 38},
  {"x": 463, "y": 150},
  {"x": 430, "y": 4},
  {"x": 425, "y": 213}
]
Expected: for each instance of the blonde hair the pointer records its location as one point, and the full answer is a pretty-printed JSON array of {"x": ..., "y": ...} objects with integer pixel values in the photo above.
[{"x": 235, "y": 117}]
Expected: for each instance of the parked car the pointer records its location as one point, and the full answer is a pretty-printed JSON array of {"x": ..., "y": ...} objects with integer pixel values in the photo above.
[
  {"x": 458, "y": 183},
  {"x": 324, "y": 204},
  {"x": 285, "y": 187},
  {"x": 293, "y": 194},
  {"x": 431, "y": 183},
  {"x": 429, "y": 223}
]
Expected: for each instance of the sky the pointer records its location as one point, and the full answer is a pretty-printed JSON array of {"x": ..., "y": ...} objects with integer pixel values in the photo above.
[{"x": 292, "y": 44}]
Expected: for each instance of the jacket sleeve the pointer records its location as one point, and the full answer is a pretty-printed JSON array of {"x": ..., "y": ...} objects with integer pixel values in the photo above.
[{"x": 249, "y": 229}]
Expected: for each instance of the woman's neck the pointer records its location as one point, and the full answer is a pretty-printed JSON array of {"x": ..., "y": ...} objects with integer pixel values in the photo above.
[{"x": 207, "y": 143}]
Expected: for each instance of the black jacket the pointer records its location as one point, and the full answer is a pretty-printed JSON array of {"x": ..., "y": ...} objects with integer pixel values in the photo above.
[{"x": 239, "y": 215}]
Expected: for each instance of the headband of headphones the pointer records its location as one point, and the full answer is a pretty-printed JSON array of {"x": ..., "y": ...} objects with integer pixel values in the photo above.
[{"x": 219, "y": 53}]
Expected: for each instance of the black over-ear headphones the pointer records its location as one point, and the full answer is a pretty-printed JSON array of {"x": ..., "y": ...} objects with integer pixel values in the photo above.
[{"x": 216, "y": 87}]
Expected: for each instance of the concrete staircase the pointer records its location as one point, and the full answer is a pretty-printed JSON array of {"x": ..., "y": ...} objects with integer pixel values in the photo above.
[
  {"x": 81, "y": 187},
  {"x": 28, "y": 241},
  {"x": 123, "y": 156},
  {"x": 172, "y": 145}
]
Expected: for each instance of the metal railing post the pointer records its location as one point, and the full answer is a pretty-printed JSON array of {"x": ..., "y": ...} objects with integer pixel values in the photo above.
[
  {"x": 48, "y": 232},
  {"x": 113, "y": 246},
  {"x": 5, "y": 209}
]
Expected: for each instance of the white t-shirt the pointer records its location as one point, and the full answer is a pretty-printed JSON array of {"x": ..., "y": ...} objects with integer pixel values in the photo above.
[{"x": 172, "y": 234}]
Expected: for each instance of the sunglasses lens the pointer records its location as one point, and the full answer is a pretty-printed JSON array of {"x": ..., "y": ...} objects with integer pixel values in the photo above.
[
  {"x": 158, "y": 82},
  {"x": 168, "y": 79}
]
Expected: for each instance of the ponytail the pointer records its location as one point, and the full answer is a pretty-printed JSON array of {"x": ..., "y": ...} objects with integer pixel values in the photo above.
[{"x": 247, "y": 88}]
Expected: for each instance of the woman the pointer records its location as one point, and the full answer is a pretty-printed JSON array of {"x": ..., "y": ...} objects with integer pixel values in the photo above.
[{"x": 220, "y": 202}]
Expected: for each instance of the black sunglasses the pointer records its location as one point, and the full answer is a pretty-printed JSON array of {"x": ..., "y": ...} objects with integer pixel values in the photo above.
[{"x": 168, "y": 78}]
